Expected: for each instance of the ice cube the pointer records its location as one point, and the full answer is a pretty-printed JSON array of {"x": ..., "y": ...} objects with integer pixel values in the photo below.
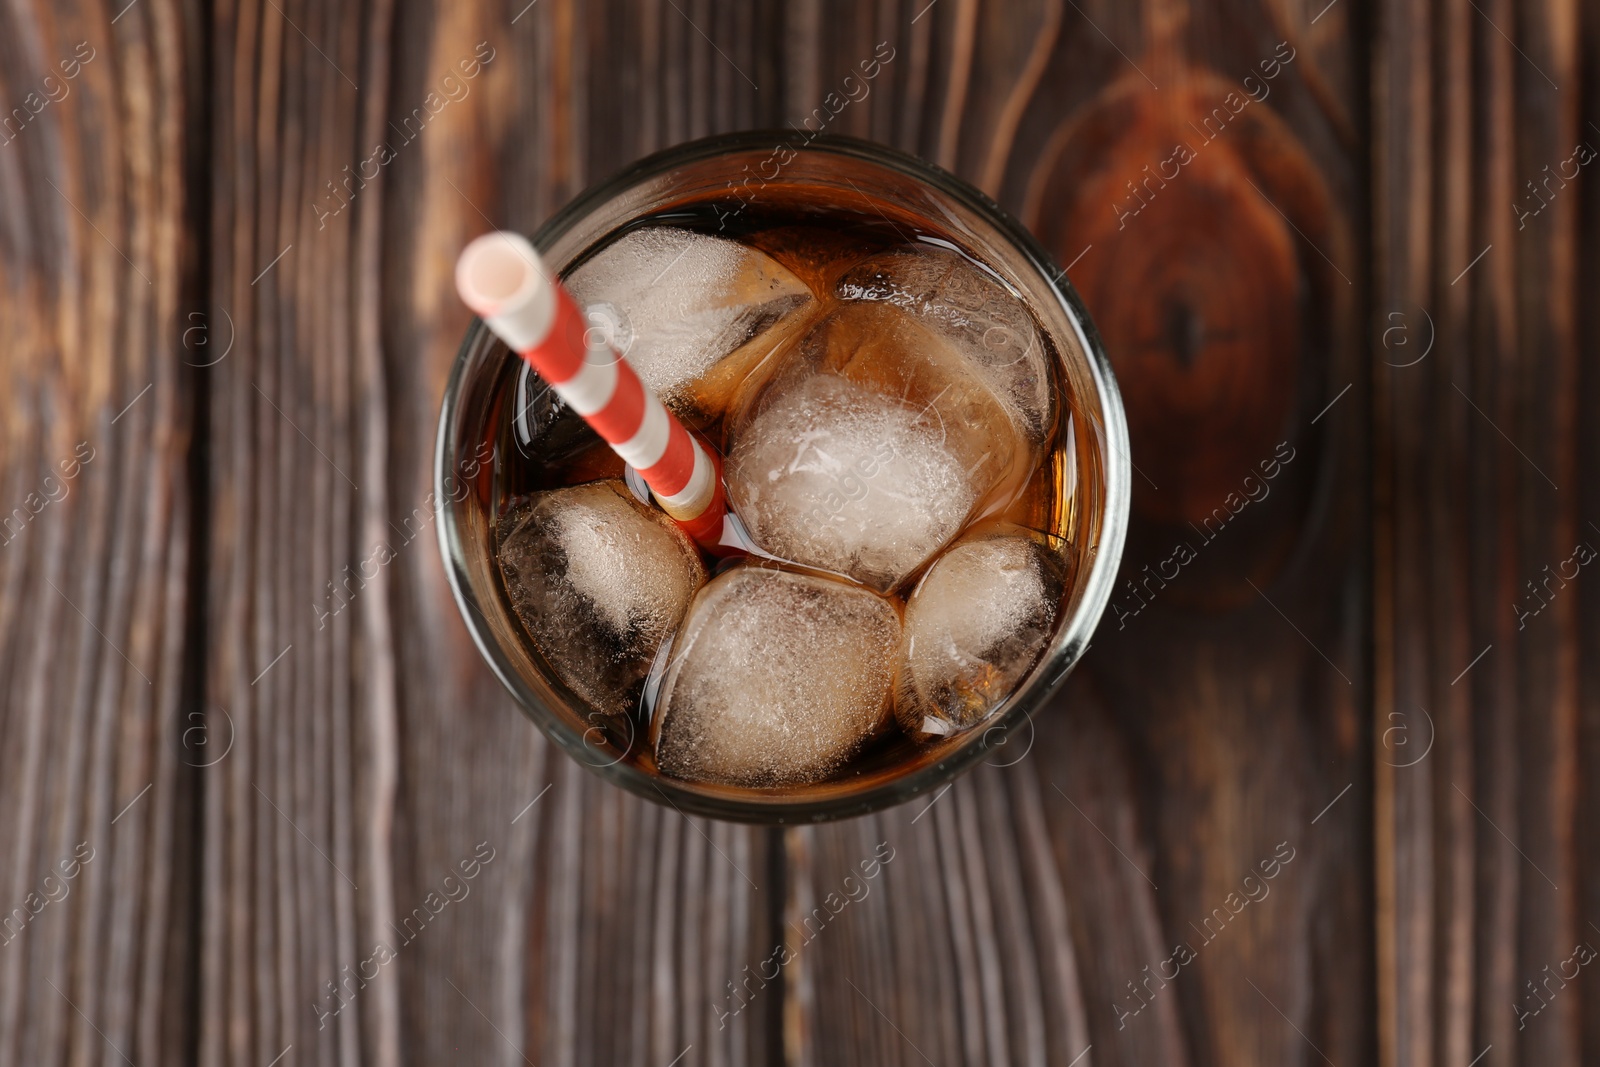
[
  {"x": 867, "y": 448},
  {"x": 976, "y": 313},
  {"x": 776, "y": 678},
  {"x": 974, "y": 626},
  {"x": 693, "y": 313},
  {"x": 599, "y": 581}
]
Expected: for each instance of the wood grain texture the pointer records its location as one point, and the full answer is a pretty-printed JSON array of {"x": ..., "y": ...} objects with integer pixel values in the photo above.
[
  {"x": 377, "y": 755},
  {"x": 98, "y": 192},
  {"x": 1229, "y": 694},
  {"x": 1486, "y": 874},
  {"x": 1040, "y": 879},
  {"x": 231, "y": 666}
]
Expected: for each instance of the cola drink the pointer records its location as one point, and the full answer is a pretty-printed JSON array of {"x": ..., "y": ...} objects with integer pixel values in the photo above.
[{"x": 905, "y": 463}]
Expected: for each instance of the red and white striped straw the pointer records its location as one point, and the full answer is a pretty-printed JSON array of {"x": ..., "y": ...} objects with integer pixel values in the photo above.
[{"x": 501, "y": 277}]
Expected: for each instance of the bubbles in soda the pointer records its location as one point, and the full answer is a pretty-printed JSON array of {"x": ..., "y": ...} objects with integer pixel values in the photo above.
[{"x": 896, "y": 443}]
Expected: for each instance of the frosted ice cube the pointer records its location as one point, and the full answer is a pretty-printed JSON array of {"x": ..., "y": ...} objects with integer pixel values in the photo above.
[
  {"x": 974, "y": 626},
  {"x": 973, "y": 311},
  {"x": 693, "y": 313},
  {"x": 867, "y": 448},
  {"x": 599, "y": 581},
  {"x": 775, "y": 678}
]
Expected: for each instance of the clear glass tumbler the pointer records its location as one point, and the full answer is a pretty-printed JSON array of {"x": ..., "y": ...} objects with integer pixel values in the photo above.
[{"x": 739, "y": 168}]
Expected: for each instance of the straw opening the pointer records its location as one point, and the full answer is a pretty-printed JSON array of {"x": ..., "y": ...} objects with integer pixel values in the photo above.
[{"x": 497, "y": 271}]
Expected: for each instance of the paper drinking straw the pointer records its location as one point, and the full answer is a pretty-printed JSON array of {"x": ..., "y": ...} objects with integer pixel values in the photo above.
[{"x": 502, "y": 278}]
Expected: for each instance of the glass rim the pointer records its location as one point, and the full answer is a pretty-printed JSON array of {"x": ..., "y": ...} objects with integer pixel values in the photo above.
[{"x": 1066, "y": 647}]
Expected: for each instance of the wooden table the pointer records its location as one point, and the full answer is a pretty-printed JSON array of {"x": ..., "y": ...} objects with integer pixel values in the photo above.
[{"x": 237, "y": 756}]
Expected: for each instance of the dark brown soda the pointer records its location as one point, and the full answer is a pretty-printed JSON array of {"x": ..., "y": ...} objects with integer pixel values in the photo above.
[{"x": 542, "y": 444}]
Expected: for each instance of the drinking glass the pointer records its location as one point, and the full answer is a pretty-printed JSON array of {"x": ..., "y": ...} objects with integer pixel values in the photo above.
[{"x": 737, "y": 169}]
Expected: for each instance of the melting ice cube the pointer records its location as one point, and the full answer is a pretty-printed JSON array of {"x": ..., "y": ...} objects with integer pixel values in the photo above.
[
  {"x": 693, "y": 313},
  {"x": 974, "y": 626},
  {"x": 974, "y": 312},
  {"x": 775, "y": 678},
  {"x": 866, "y": 450},
  {"x": 599, "y": 581}
]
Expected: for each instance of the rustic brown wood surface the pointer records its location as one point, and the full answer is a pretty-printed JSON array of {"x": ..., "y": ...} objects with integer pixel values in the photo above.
[{"x": 1321, "y": 792}]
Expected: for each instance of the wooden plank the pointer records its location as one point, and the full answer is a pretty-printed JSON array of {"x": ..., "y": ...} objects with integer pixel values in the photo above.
[
  {"x": 1485, "y": 873},
  {"x": 96, "y": 520},
  {"x": 277, "y": 758},
  {"x": 378, "y": 753},
  {"x": 1028, "y": 911}
]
